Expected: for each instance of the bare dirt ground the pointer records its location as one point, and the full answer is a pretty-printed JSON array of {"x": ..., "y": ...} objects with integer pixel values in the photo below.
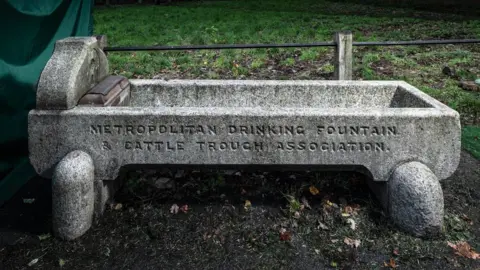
[{"x": 285, "y": 227}]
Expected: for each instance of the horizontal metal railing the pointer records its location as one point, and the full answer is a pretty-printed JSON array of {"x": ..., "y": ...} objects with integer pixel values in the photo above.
[
  {"x": 288, "y": 45},
  {"x": 343, "y": 44}
]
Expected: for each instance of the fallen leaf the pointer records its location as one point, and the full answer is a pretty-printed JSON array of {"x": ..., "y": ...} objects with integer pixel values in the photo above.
[
  {"x": 174, "y": 209},
  {"x": 305, "y": 203},
  {"x": 333, "y": 264},
  {"x": 352, "y": 223},
  {"x": 322, "y": 226},
  {"x": 184, "y": 208},
  {"x": 463, "y": 249},
  {"x": 350, "y": 210},
  {"x": 352, "y": 242},
  {"x": 118, "y": 206},
  {"x": 29, "y": 201},
  {"x": 467, "y": 219},
  {"x": 469, "y": 86},
  {"x": 294, "y": 224},
  {"x": 247, "y": 205},
  {"x": 391, "y": 263},
  {"x": 334, "y": 241},
  {"x": 285, "y": 235},
  {"x": 61, "y": 262},
  {"x": 32, "y": 262},
  {"x": 317, "y": 251},
  {"x": 107, "y": 252},
  {"x": 313, "y": 190},
  {"x": 296, "y": 215},
  {"x": 44, "y": 236}
]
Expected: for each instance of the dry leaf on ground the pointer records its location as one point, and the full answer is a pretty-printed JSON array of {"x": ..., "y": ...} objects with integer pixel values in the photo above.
[
  {"x": 305, "y": 203},
  {"x": 29, "y": 201},
  {"x": 322, "y": 226},
  {"x": 352, "y": 242},
  {"x": 118, "y": 206},
  {"x": 327, "y": 204},
  {"x": 44, "y": 236},
  {"x": 391, "y": 263},
  {"x": 352, "y": 223},
  {"x": 184, "y": 208},
  {"x": 313, "y": 190},
  {"x": 174, "y": 209},
  {"x": 32, "y": 262},
  {"x": 350, "y": 210},
  {"x": 467, "y": 219},
  {"x": 463, "y": 249},
  {"x": 285, "y": 235},
  {"x": 247, "y": 205}
]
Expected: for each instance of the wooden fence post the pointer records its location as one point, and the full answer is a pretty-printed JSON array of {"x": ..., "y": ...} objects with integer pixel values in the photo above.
[{"x": 343, "y": 56}]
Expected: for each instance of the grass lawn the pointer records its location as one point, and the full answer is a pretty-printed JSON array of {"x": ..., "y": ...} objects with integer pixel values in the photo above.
[
  {"x": 471, "y": 140},
  {"x": 272, "y": 21}
]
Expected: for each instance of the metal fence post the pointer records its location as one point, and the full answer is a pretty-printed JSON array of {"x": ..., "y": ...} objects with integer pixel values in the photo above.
[{"x": 343, "y": 55}]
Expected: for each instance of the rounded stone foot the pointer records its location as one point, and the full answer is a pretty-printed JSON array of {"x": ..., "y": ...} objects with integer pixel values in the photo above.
[
  {"x": 415, "y": 200},
  {"x": 73, "y": 195}
]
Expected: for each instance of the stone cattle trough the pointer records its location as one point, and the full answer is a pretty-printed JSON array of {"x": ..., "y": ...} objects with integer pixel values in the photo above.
[{"x": 88, "y": 125}]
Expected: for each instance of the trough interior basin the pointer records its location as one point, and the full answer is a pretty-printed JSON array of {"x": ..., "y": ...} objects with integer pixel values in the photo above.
[{"x": 281, "y": 94}]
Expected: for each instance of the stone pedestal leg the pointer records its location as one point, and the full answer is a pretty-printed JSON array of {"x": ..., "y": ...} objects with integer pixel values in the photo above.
[
  {"x": 73, "y": 195},
  {"x": 413, "y": 199}
]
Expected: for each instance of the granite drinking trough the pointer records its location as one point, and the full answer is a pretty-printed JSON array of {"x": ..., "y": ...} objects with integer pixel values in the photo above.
[{"x": 88, "y": 125}]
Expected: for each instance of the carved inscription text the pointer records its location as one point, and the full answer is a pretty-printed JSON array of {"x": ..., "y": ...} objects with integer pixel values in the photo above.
[{"x": 173, "y": 137}]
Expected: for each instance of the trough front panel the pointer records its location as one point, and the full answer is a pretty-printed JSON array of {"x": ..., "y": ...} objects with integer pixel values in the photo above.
[{"x": 379, "y": 139}]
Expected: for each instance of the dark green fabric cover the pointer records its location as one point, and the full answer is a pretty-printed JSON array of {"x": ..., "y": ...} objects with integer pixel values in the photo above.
[{"x": 29, "y": 29}]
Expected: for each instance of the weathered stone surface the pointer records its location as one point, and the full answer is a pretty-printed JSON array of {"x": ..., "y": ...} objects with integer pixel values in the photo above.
[
  {"x": 73, "y": 195},
  {"x": 77, "y": 64},
  {"x": 102, "y": 41},
  {"x": 372, "y": 125},
  {"x": 415, "y": 202},
  {"x": 104, "y": 192}
]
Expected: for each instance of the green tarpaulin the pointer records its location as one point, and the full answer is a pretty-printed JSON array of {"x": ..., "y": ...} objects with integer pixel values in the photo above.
[{"x": 28, "y": 32}]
